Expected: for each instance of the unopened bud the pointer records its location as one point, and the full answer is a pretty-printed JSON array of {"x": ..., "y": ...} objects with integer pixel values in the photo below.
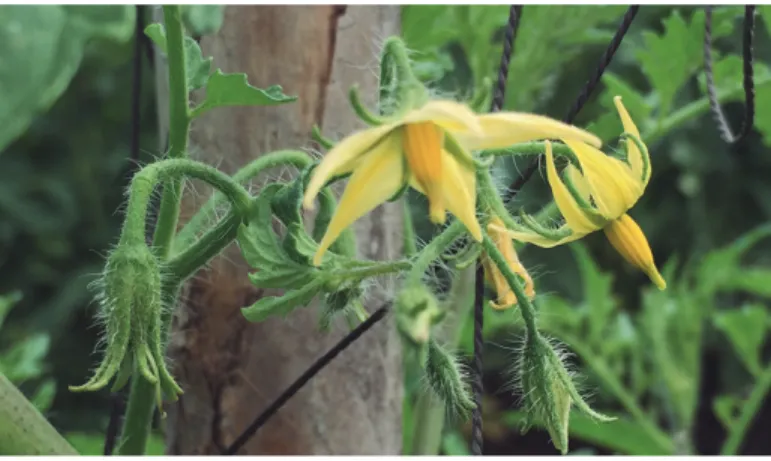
[
  {"x": 131, "y": 309},
  {"x": 417, "y": 311}
]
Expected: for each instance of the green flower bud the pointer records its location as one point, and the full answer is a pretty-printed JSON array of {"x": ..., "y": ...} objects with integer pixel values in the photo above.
[
  {"x": 548, "y": 391},
  {"x": 131, "y": 308},
  {"x": 444, "y": 375}
]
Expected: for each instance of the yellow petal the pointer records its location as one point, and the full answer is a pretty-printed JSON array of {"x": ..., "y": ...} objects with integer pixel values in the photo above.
[
  {"x": 574, "y": 216},
  {"x": 633, "y": 152},
  {"x": 580, "y": 184},
  {"x": 628, "y": 239},
  {"x": 504, "y": 129},
  {"x": 344, "y": 157},
  {"x": 376, "y": 179},
  {"x": 538, "y": 239},
  {"x": 613, "y": 187},
  {"x": 460, "y": 193},
  {"x": 423, "y": 149},
  {"x": 506, "y": 295},
  {"x": 449, "y": 115}
]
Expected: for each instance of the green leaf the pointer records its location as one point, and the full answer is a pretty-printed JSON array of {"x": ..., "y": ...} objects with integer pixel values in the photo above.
[
  {"x": 669, "y": 59},
  {"x": 234, "y": 90},
  {"x": 24, "y": 360},
  {"x": 746, "y": 329},
  {"x": 621, "y": 436},
  {"x": 92, "y": 444},
  {"x": 282, "y": 305},
  {"x": 157, "y": 34},
  {"x": 453, "y": 444},
  {"x": 56, "y": 37},
  {"x": 202, "y": 19},
  {"x": 598, "y": 294},
  {"x": 197, "y": 68}
]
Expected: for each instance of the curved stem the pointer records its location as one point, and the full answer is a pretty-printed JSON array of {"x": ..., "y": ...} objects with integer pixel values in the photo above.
[
  {"x": 750, "y": 409},
  {"x": 374, "y": 270},
  {"x": 434, "y": 250},
  {"x": 174, "y": 170},
  {"x": 203, "y": 217}
]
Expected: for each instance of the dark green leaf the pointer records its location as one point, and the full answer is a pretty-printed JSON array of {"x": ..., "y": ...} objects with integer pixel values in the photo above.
[
  {"x": 234, "y": 90},
  {"x": 112, "y": 22},
  {"x": 746, "y": 329}
]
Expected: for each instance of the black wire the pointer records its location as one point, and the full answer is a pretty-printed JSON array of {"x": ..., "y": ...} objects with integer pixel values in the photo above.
[
  {"x": 583, "y": 97},
  {"x": 295, "y": 387},
  {"x": 749, "y": 85},
  {"x": 477, "y": 387},
  {"x": 117, "y": 402}
]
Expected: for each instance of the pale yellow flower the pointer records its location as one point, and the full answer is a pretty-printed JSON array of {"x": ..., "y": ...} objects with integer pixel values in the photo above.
[
  {"x": 429, "y": 150},
  {"x": 598, "y": 196},
  {"x": 494, "y": 276}
]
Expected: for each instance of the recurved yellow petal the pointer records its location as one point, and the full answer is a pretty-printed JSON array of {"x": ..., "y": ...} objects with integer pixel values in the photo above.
[
  {"x": 449, "y": 115},
  {"x": 628, "y": 239},
  {"x": 506, "y": 296},
  {"x": 422, "y": 144},
  {"x": 344, "y": 157},
  {"x": 634, "y": 155},
  {"x": 574, "y": 216},
  {"x": 504, "y": 129},
  {"x": 613, "y": 187},
  {"x": 377, "y": 178}
]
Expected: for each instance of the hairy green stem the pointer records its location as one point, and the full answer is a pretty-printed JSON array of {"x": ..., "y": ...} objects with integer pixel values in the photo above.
[
  {"x": 434, "y": 250},
  {"x": 750, "y": 409},
  {"x": 24, "y": 431},
  {"x": 141, "y": 402},
  {"x": 373, "y": 270},
  {"x": 203, "y": 217},
  {"x": 172, "y": 170}
]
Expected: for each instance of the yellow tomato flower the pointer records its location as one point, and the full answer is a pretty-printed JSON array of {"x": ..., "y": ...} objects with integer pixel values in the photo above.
[
  {"x": 494, "y": 276},
  {"x": 598, "y": 196},
  {"x": 429, "y": 149}
]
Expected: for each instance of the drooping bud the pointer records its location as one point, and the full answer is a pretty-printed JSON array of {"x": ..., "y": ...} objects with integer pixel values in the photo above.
[
  {"x": 131, "y": 310},
  {"x": 445, "y": 378},
  {"x": 548, "y": 391}
]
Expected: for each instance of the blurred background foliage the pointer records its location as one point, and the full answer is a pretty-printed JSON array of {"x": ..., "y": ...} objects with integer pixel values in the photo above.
[{"x": 678, "y": 367}]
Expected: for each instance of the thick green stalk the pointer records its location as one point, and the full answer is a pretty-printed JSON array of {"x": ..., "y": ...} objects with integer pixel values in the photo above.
[
  {"x": 136, "y": 427},
  {"x": 750, "y": 409},
  {"x": 24, "y": 431}
]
